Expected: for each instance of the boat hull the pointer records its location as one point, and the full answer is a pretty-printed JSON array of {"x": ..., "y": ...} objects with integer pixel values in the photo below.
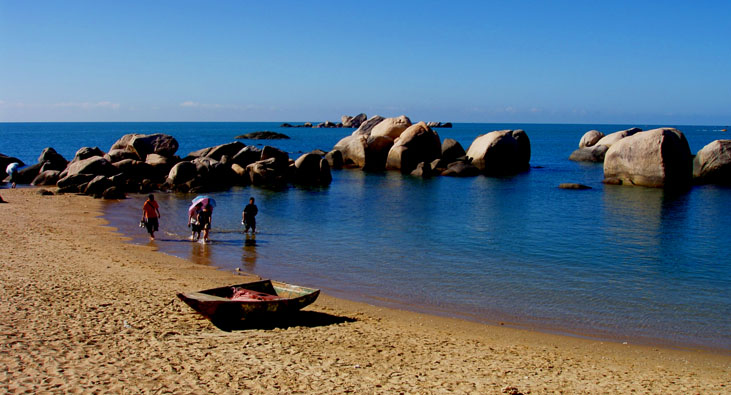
[{"x": 216, "y": 305}]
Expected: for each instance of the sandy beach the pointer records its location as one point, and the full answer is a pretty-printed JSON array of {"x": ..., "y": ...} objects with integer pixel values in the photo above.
[{"x": 82, "y": 311}]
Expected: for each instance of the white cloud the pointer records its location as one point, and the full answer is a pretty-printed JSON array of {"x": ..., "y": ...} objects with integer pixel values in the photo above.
[{"x": 189, "y": 104}]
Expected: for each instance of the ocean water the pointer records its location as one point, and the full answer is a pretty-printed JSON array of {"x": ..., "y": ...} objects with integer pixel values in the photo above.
[{"x": 619, "y": 263}]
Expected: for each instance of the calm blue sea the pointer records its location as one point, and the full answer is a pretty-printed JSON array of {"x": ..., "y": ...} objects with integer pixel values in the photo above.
[{"x": 619, "y": 263}]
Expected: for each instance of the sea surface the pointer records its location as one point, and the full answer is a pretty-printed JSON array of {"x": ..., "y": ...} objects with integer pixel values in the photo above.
[{"x": 619, "y": 263}]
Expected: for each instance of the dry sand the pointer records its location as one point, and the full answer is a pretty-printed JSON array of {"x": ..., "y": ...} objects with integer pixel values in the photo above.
[{"x": 83, "y": 312}]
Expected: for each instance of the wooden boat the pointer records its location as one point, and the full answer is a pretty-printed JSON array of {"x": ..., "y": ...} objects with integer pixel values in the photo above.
[{"x": 236, "y": 302}]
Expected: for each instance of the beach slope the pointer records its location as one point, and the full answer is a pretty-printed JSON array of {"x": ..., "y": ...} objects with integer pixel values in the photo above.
[{"x": 82, "y": 311}]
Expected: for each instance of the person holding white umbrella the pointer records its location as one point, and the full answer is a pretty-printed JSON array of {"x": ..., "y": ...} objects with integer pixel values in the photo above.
[{"x": 12, "y": 171}]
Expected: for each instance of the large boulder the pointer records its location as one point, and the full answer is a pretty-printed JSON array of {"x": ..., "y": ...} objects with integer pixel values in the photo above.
[
  {"x": 134, "y": 169},
  {"x": 365, "y": 128},
  {"x": 612, "y": 138},
  {"x": 451, "y": 150},
  {"x": 113, "y": 193},
  {"x": 503, "y": 152},
  {"x": 391, "y": 127},
  {"x": 376, "y": 152},
  {"x": 590, "y": 138},
  {"x": 229, "y": 149},
  {"x": 263, "y": 135},
  {"x": 161, "y": 144},
  {"x": 418, "y": 143},
  {"x": 70, "y": 183},
  {"x": 353, "y": 150},
  {"x": 247, "y": 156},
  {"x": 115, "y": 155},
  {"x": 48, "y": 177},
  {"x": 267, "y": 173},
  {"x": 27, "y": 174},
  {"x": 86, "y": 153},
  {"x": 334, "y": 159},
  {"x": 353, "y": 122},
  {"x": 423, "y": 170},
  {"x": 52, "y": 159},
  {"x": 181, "y": 173},
  {"x": 308, "y": 170},
  {"x": 658, "y": 158},
  {"x": 590, "y": 154},
  {"x": 461, "y": 169},
  {"x": 712, "y": 164},
  {"x": 145, "y": 144},
  {"x": 95, "y": 165},
  {"x": 97, "y": 186}
]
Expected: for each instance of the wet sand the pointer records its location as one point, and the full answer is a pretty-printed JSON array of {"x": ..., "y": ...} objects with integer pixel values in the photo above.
[{"x": 81, "y": 311}]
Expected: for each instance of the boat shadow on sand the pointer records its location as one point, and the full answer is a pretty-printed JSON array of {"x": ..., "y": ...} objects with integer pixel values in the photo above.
[{"x": 309, "y": 319}]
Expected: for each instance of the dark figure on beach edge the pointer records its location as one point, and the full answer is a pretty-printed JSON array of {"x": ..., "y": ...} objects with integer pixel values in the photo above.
[{"x": 248, "y": 217}]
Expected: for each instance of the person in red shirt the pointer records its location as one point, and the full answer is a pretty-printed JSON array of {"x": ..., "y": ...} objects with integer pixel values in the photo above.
[{"x": 150, "y": 215}]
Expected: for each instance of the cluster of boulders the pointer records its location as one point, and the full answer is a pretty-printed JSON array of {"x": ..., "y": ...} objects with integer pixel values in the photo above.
[
  {"x": 142, "y": 163},
  {"x": 396, "y": 144},
  {"x": 347, "y": 121},
  {"x": 655, "y": 158},
  {"x": 263, "y": 135}
]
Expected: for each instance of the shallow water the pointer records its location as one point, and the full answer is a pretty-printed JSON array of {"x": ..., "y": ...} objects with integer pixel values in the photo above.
[{"x": 620, "y": 263}]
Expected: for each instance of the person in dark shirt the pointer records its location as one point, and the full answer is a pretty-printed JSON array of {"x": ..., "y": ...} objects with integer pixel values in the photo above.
[{"x": 248, "y": 217}]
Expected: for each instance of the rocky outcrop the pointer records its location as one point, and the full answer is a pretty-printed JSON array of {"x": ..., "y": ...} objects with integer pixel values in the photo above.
[
  {"x": 499, "y": 153},
  {"x": 181, "y": 173},
  {"x": 423, "y": 170},
  {"x": 145, "y": 144},
  {"x": 612, "y": 138},
  {"x": 461, "y": 169},
  {"x": 452, "y": 150},
  {"x": 376, "y": 152},
  {"x": 334, "y": 159},
  {"x": 418, "y": 143},
  {"x": 311, "y": 169},
  {"x": 327, "y": 124},
  {"x": 353, "y": 122},
  {"x": 52, "y": 160},
  {"x": 712, "y": 164},
  {"x": 263, "y": 135},
  {"x": 267, "y": 172},
  {"x": 95, "y": 165},
  {"x": 97, "y": 186},
  {"x": 391, "y": 127},
  {"x": 74, "y": 183},
  {"x": 47, "y": 177},
  {"x": 657, "y": 158},
  {"x": 590, "y": 138},
  {"x": 115, "y": 155},
  {"x": 27, "y": 174},
  {"x": 228, "y": 149},
  {"x": 352, "y": 149},
  {"x": 365, "y": 128},
  {"x": 247, "y": 156},
  {"x": 590, "y": 154},
  {"x": 439, "y": 124},
  {"x": 86, "y": 153},
  {"x": 572, "y": 185}
]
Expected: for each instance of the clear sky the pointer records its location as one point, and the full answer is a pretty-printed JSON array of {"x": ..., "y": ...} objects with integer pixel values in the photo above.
[{"x": 657, "y": 62}]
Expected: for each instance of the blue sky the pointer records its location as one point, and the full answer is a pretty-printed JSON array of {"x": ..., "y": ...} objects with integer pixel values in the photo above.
[{"x": 656, "y": 62}]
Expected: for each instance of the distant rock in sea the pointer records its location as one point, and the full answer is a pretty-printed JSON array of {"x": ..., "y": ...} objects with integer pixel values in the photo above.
[{"x": 263, "y": 135}]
